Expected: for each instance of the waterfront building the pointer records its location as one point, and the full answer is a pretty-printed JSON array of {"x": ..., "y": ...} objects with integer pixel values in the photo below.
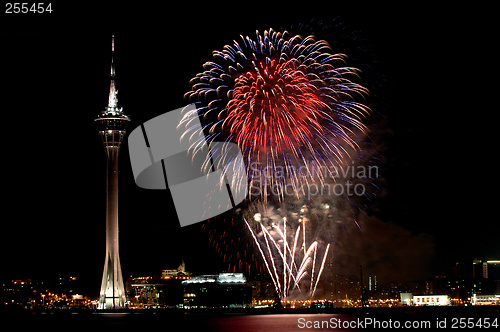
[{"x": 217, "y": 291}]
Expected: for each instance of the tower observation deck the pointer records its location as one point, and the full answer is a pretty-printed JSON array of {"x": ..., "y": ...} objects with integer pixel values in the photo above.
[{"x": 111, "y": 124}]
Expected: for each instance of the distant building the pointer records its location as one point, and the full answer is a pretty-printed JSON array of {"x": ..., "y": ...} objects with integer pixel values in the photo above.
[
  {"x": 478, "y": 280},
  {"x": 406, "y": 298},
  {"x": 409, "y": 299},
  {"x": 486, "y": 277},
  {"x": 216, "y": 291},
  {"x": 158, "y": 292},
  {"x": 262, "y": 291},
  {"x": 180, "y": 271},
  {"x": 478, "y": 299},
  {"x": 431, "y": 300},
  {"x": 491, "y": 271},
  {"x": 221, "y": 278},
  {"x": 372, "y": 283},
  {"x": 342, "y": 287},
  {"x": 477, "y": 268}
]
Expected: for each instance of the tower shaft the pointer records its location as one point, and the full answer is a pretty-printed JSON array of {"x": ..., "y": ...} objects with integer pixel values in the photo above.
[{"x": 112, "y": 294}]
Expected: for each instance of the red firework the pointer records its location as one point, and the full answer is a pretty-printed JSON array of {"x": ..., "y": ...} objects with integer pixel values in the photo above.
[{"x": 274, "y": 105}]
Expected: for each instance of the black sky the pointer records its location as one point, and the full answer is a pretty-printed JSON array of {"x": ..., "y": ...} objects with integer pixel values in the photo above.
[{"x": 439, "y": 145}]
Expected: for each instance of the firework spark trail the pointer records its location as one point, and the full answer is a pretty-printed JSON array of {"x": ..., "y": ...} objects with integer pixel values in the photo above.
[
  {"x": 286, "y": 268},
  {"x": 293, "y": 254},
  {"x": 305, "y": 262},
  {"x": 284, "y": 253},
  {"x": 313, "y": 266},
  {"x": 320, "y": 270},
  {"x": 269, "y": 252},
  {"x": 262, "y": 253}
]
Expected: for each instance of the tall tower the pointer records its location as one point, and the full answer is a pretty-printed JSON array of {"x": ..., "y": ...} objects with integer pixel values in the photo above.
[{"x": 111, "y": 125}]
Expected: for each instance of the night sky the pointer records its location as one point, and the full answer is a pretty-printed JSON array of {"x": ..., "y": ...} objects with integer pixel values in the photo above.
[{"x": 438, "y": 143}]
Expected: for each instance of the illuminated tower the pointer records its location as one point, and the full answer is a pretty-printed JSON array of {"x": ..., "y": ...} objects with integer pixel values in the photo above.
[{"x": 112, "y": 124}]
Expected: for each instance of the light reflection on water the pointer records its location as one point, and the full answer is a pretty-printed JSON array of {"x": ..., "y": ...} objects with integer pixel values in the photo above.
[
  {"x": 222, "y": 322},
  {"x": 273, "y": 323},
  {"x": 206, "y": 322}
]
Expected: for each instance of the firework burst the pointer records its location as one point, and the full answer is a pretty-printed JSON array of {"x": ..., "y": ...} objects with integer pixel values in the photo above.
[
  {"x": 297, "y": 112},
  {"x": 287, "y": 238},
  {"x": 289, "y": 102}
]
